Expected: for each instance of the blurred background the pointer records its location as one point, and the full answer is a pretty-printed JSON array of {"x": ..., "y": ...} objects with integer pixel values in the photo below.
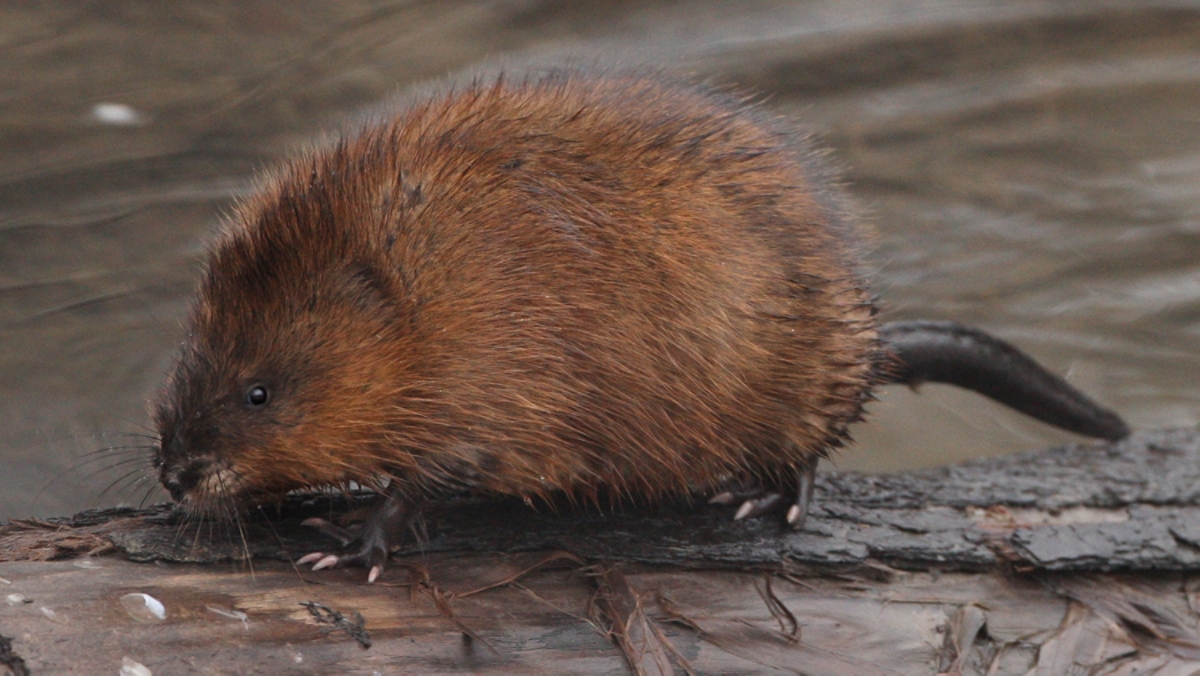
[{"x": 1031, "y": 167}]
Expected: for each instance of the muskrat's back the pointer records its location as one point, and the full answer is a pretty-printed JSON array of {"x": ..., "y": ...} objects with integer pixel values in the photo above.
[{"x": 612, "y": 283}]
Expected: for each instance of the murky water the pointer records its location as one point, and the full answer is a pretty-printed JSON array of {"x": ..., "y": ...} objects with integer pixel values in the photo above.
[{"x": 1030, "y": 167}]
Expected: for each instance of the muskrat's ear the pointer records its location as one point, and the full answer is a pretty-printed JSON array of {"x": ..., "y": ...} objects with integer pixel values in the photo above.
[{"x": 366, "y": 285}]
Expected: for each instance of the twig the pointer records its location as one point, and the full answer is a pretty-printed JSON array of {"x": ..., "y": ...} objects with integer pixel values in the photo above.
[{"x": 357, "y": 629}]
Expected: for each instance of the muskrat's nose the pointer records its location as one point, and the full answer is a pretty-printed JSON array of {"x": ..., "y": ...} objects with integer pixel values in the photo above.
[
  {"x": 170, "y": 481},
  {"x": 180, "y": 478}
]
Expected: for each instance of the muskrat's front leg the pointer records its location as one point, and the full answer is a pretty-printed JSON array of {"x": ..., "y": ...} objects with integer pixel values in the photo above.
[{"x": 380, "y": 533}]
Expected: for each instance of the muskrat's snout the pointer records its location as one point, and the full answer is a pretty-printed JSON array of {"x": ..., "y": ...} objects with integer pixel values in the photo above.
[
  {"x": 181, "y": 478},
  {"x": 178, "y": 473}
]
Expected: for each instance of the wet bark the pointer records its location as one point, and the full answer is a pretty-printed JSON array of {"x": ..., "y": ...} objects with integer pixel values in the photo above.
[
  {"x": 1129, "y": 506},
  {"x": 1046, "y": 561}
]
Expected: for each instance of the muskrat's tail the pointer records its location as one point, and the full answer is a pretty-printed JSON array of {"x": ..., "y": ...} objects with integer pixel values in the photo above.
[{"x": 945, "y": 352}]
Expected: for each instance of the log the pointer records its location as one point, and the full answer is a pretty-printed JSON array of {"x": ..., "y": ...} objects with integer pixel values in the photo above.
[{"x": 1082, "y": 554}]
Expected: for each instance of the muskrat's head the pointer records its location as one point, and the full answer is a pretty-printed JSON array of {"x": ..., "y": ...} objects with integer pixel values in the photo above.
[{"x": 293, "y": 370}]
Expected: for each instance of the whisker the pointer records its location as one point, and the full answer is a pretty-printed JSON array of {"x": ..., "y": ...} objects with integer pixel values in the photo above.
[
  {"x": 188, "y": 516},
  {"x": 117, "y": 450},
  {"x": 91, "y": 458},
  {"x": 237, "y": 520},
  {"x": 199, "y": 528},
  {"x": 128, "y": 461},
  {"x": 232, "y": 515},
  {"x": 278, "y": 538},
  {"x": 162, "y": 328},
  {"x": 139, "y": 435},
  {"x": 120, "y": 480},
  {"x": 149, "y": 491},
  {"x": 131, "y": 458},
  {"x": 237, "y": 477},
  {"x": 130, "y": 488},
  {"x": 106, "y": 435},
  {"x": 149, "y": 441},
  {"x": 139, "y": 425}
]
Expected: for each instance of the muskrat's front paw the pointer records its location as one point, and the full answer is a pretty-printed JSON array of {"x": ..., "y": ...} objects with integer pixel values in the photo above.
[
  {"x": 375, "y": 540},
  {"x": 372, "y": 554},
  {"x": 371, "y": 558}
]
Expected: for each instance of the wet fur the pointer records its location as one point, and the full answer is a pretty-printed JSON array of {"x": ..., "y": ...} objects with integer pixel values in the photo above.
[{"x": 597, "y": 284}]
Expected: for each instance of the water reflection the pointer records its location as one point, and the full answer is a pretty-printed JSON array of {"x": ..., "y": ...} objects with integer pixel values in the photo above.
[{"x": 1031, "y": 167}]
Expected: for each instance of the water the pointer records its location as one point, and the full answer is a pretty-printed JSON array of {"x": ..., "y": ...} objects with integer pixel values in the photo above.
[{"x": 1030, "y": 167}]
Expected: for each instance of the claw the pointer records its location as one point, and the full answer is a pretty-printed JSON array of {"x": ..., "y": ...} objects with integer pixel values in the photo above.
[
  {"x": 743, "y": 511},
  {"x": 795, "y": 514},
  {"x": 722, "y": 498},
  {"x": 739, "y": 494},
  {"x": 758, "y": 506},
  {"x": 798, "y": 512},
  {"x": 309, "y": 558},
  {"x": 799, "y": 509},
  {"x": 327, "y": 562},
  {"x": 336, "y": 532}
]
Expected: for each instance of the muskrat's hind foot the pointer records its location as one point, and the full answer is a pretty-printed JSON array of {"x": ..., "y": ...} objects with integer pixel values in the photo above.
[
  {"x": 757, "y": 502},
  {"x": 754, "y": 507},
  {"x": 381, "y": 533}
]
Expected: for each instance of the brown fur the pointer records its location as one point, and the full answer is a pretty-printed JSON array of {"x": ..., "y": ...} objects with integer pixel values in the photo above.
[{"x": 586, "y": 283}]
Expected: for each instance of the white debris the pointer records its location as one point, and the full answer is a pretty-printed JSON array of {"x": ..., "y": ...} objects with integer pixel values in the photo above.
[
  {"x": 144, "y": 608},
  {"x": 52, "y": 616},
  {"x": 132, "y": 668},
  {"x": 116, "y": 114},
  {"x": 231, "y": 614}
]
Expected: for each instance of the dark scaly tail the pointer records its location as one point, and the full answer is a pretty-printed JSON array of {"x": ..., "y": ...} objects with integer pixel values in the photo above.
[{"x": 946, "y": 352}]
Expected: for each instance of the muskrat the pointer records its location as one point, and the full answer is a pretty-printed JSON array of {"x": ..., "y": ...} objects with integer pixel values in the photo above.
[{"x": 598, "y": 284}]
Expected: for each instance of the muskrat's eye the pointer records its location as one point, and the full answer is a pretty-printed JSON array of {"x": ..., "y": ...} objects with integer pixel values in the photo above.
[{"x": 257, "y": 396}]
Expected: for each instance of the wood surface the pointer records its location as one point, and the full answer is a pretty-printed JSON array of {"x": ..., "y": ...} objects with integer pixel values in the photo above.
[{"x": 1081, "y": 559}]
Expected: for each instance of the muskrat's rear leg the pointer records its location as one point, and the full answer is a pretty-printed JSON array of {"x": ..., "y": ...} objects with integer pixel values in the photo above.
[
  {"x": 930, "y": 351},
  {"x": 380, "y": 533},
  {"x": 757, "y": 502}
]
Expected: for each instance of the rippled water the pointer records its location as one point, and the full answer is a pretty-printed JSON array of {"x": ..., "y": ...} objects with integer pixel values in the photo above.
[{"x": 1030, "y": 167}]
